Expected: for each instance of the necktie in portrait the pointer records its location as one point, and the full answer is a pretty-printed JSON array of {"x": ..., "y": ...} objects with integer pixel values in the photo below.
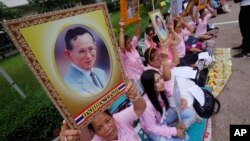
[{"x": 96, "y": 80}]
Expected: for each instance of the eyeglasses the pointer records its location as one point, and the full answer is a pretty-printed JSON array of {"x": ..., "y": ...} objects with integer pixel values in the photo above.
[
  {"x": 90, "y": 50},
  {"x": 151, "y": 34},
  {"x": 156, "y": 58}
]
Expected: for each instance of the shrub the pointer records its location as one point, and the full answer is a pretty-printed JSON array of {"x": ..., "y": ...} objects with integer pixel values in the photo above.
[{"x": 33, "y": 118}]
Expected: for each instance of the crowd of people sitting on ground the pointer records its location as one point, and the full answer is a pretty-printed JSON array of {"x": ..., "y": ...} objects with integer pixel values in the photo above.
[{"x": 152, "y": 89}]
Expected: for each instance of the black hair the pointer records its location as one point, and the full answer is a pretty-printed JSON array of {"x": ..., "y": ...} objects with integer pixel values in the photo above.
[
  {"x": 149, "y": 55},
  {"x": 90, "y": 126},
  {"x": 157, "y": 41},
  {"x": 201, "y": 11},
  {"x": 148, "y": 29},
  {"x": 73, "y": 33},
  {"x": 149, "y": 21},
  {"x": 148, "y": 83},
  {"x": 165, "y": 15},
  {"x": 175, "y": 23},
  {"x": 126, "y": 38}
]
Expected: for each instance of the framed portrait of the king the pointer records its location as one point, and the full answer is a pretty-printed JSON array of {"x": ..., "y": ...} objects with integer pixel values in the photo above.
[
  {"x": 73, "y": 54},
  {"x": 129, "y": 10},
  {"x": 159, "y": 25},
  {"x": 202, "y": 4}
]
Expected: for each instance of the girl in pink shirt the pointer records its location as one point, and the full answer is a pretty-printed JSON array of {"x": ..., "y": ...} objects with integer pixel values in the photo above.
[
  {"x": 107, "y": 127},
  {"x": 150, "y": 33},
  {"x": 186, "y": 59},
  {"x": 202, "y": 18},
  {"x": 165, "y": 58},
  {"x": 159, "y": 119},
  {"x": 130, "y": 58}
]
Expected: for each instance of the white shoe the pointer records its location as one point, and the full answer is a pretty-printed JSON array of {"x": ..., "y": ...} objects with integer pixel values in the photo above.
[{"x": 226, "y": 8}]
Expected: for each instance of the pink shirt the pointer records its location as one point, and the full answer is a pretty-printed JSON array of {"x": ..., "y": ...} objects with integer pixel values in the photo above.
[
  {"x": 192, "y": 24},
  {"x": 148, "y": 43},
  {"x": 131, "y": 61},
  {"x": 201, "y": 28},
  {"x": 150, "y": 121},
  {"x": 124, "y": 122},
  {"x": 181, "y": 48}
]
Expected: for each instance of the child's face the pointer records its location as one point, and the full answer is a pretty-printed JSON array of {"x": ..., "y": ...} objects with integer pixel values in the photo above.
[
  {"x": 178, "y": 28},
  {"x": 204, "y": 13}
]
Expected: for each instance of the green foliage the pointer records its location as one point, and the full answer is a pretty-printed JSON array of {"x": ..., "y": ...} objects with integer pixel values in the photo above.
[
  {"x": 7, "y": 13},
  {"x": 33, "y": 118},
  {"x": 42, "y": 6},
  {"x": 113, "y": 5}
]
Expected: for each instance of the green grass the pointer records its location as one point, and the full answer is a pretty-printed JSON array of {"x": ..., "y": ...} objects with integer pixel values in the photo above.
[{"x": 17, "y": 112}]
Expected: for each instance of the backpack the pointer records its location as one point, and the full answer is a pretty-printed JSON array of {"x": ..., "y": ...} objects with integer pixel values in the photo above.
[
  {"x": 208, "y": 109},
  {"x": 201, "y": 77},
  {"x": 237, "y": 1}
]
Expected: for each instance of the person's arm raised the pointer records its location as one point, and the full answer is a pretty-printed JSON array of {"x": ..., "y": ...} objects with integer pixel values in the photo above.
[
  {"x": 173, "y": 42},
  {"x": 138, "y": 28},
  {"x": 176, "y": 58},
  {"x": 67, "y": 134},
  {"x": 138, "y": 101},
  {"x": 180, "y": 19},
  {"x": 166, "y": 66},
  {"x": 175, "y": 36},
  {"x": 121, "y": 38},
  {"x": 210, "y": 9}
]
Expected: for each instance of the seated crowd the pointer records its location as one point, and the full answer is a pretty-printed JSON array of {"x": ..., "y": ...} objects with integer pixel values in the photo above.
[{"x": 151, "y": 92}]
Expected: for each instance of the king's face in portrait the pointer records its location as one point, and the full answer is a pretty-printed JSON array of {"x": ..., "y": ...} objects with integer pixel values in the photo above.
[
  {"x": 81, "y": 49},
  {"x": 83, "y": 52}
]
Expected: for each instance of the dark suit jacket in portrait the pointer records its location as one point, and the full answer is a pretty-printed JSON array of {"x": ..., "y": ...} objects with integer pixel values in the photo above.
[{"x": 83, "y": 84}]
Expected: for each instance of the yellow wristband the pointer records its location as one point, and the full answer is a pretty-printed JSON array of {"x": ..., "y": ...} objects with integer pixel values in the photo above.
[{"x": 165, "y": 63}]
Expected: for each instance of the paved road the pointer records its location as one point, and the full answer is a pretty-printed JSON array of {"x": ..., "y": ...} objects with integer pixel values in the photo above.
[{"x": 235, "y": 98}]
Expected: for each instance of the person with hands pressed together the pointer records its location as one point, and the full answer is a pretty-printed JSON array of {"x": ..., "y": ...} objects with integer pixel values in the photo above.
[
  {"x": 202, "y": 18},
  {"x": 107, "y": 127},
  {"x": 183, "y": 29}
]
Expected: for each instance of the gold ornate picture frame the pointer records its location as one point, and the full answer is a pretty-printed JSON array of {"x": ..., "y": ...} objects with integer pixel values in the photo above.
[
  {"x": 159, "y": 25},
  {"x": 202, "y": 4},
  {"x": 45, "y": 40},
  {"x": 130, "y": 11}
]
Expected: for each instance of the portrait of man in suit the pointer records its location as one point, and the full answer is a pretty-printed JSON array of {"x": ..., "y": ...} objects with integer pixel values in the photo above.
[
  {"x": 81, "y": 51},
  {"x": 160, "y": 27},
  {"x": 131, "y": 8}
]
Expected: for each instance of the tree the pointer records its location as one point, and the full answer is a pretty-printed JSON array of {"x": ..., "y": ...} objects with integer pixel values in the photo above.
[
  {"x": 9, "y": 13},
  {"x": 42, "y": 6},
  {"x": 86, "y": 2}
]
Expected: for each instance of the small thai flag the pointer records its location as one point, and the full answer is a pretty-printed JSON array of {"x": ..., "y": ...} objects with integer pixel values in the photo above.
[
  {"x": 79, "y": 119},
  {"x": 121, "y": 87}
]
